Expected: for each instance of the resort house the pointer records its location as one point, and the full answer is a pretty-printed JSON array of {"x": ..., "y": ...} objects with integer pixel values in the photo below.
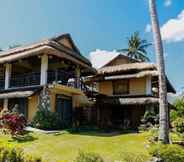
[
  {"x": 55, "y": 64},
  {"x": 126, "y": 89}
]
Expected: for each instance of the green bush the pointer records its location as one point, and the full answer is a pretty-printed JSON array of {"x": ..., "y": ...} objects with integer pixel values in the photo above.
[
  {"x": 179, "y": 125},
  {"x": 153, "y": 135},
  {"x": 178, "y": 111},
  {"x": 88, "y": 157},
  {"x": 47, "y": 120},
  {"x": 168, "y": 153},
  {"x": 11, "y": 154},
  {"x": 150, "y": 117},
  {"x": 132, "y": 157}
]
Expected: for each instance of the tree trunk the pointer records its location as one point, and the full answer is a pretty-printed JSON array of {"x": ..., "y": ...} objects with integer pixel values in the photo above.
[{"x": 163, "y": 104}]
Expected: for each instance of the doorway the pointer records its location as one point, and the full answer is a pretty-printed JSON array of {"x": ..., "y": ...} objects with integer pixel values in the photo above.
[{"x": 64, "y": 110}]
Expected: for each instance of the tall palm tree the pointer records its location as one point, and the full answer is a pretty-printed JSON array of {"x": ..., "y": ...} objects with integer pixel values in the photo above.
[
  {"x": 163, "y": 105},
  {"x": 136, "y": 48}
]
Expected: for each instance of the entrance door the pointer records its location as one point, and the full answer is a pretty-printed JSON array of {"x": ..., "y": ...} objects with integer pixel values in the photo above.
[{"x": 64, "y": 109}]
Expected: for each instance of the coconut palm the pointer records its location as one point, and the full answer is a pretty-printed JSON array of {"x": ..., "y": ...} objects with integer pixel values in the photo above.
[
  {"x": 136, "y": 48},
  {"x": 163, "y": 105}
]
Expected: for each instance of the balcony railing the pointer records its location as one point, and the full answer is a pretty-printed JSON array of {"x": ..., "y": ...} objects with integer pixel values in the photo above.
[
  {"x": 22, "y": 80},
  {"x": 55, "y": 76},
  {"x": 61, "y": 77},
  {"x": 1, "y": 84}
]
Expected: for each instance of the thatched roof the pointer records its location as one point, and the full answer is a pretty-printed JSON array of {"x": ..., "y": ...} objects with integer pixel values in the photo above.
[
  {"x": 49, "y": 46},
  {"x": 126, "y": 68},
  {"x": 16, "y": 94},
  {"x": 129, "y": 76},
  {"x": 130, "y": 100}
]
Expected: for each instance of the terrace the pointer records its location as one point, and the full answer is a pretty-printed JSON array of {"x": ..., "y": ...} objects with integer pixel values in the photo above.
[{"x": 33, "y": 71}]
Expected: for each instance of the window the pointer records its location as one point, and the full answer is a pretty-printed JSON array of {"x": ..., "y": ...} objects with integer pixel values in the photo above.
[{"x": 120, "y": 87}]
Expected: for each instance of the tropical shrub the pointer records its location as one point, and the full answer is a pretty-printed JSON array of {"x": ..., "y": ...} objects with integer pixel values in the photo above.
[
  {"x": 132, "y": 157},
  {"x": 179, "y": 109},
  {"x": 178, "y": 124},
  {"x": 45, "y": 119},
  {"x": 167, "y": 153},
  {"x": 12, "y": 122},
  {"x": 150, "y": 117},
  {"x": 88, "y": 157},
  {"x": 12, "y": 154},
  {"x": 177, "y": 116},
  {"x": 153, "y": 135},
  {"x": 149, "y": 120}
]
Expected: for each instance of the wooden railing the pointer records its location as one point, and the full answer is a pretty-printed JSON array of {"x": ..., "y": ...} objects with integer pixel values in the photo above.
[
  {"x": 55, "y": 76},
  {"x": 61, "y": 77},
  {"x": 2, "y": 84},
  {"x": 22, "y": 80}
]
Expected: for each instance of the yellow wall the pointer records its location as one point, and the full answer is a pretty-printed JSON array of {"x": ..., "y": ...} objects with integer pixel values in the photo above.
[
  {"x": 136, "y": 87},
  {"x": 78, "y": 99},
  {"x": 32, "y": 106},
  {"x": 105, "y": 87}
]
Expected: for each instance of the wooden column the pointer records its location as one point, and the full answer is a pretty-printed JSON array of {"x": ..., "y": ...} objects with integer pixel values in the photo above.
[
  {"x": 77, "y": 74},
  {"x": 44, "y": 68},
  {"x": 8, "y": 69},
  {"x": 148, "y": 85}
]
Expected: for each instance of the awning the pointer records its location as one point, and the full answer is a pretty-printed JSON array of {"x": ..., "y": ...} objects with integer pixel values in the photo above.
[
  {"x": 16, "y": 94},
  {"x": 130, "y": 101}
]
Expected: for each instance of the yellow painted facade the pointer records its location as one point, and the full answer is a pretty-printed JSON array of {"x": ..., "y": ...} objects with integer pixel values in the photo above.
[
  {"x": 137, "y": 86},
  {"x": 78, "y": 98},
  {"x": 32, "y": 106}
]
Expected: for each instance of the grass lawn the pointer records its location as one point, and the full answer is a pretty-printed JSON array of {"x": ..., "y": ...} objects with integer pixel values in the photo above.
[{"x": 66, "y": 145}]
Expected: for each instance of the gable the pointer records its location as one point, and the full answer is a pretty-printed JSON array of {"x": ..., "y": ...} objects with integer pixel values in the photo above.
[
  {"x": 66, "y": 41},
  {"x": 119, "y": 60}
]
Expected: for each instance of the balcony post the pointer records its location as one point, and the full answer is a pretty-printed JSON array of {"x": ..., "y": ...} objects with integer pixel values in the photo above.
[
  {"x": 148, "y": 85},
  {"x": 44, "y": 68},
  {"x": 8, "y": 69},
  {"x": 77, "y": 74}
]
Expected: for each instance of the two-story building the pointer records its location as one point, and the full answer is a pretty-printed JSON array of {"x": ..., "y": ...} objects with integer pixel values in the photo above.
[
  {"x": 54, "y": 63},
  {"x": 126, "y": 89}
]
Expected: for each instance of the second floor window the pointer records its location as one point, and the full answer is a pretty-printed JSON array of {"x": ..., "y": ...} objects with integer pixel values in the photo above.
[{"x": 120, "y": 87}]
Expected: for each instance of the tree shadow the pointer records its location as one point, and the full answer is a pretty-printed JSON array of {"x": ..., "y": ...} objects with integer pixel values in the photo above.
[
  {"x": 92, "y": 131},
  {"x": 26, "y": 137}
]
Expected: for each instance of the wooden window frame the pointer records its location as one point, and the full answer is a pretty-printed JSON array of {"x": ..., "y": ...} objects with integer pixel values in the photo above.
[{"x": 121, "y": 93}]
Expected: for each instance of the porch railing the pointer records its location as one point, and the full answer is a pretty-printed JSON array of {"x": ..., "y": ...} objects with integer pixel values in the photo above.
[
  {"x": 27, "y": 79},
  {"x": 33, "y": 78},
  {"x": 61, "y": 77},
  {"x": 2, "y": 82}
]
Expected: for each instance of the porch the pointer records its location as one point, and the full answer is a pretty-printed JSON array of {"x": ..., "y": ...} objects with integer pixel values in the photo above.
[
  {"x": 123, "y": 112},
  {"x": 40, "y": 71}
]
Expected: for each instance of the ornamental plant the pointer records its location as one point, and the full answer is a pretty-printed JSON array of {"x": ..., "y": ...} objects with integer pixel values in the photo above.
[{"x": 12, "y": 122}]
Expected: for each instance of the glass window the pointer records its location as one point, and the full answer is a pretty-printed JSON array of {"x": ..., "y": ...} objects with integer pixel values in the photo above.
[{"x": 120, "y": 87}]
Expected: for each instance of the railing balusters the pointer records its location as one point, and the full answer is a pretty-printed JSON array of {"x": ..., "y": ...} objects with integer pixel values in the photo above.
[{"x": 33, "y": 78}]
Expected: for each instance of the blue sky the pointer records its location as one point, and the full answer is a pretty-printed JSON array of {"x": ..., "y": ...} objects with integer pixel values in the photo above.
[{"x": 95, "y": 24}]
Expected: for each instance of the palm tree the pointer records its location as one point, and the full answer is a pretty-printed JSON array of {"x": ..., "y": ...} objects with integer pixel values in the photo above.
[
  {"x": 163, "y": 105},
  {"x": 136, "y": 48}
]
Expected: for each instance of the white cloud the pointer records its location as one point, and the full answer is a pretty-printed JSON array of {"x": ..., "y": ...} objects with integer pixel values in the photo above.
[
  {"x": 167, "y": 3},
  {"x": 148, "y": 28},
  {"x": 173, "y": 30},
  {"x": 99, "y": 57}
]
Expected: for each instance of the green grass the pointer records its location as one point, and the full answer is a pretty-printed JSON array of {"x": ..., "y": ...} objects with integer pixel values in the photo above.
[{"x": 66, "y": 145}]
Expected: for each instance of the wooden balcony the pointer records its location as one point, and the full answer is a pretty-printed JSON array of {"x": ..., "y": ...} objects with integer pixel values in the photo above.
[
  {"x": 33, "y": 78},
  {"x": 23, "y": 80},
  {"x": 2, "y": 84}
]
